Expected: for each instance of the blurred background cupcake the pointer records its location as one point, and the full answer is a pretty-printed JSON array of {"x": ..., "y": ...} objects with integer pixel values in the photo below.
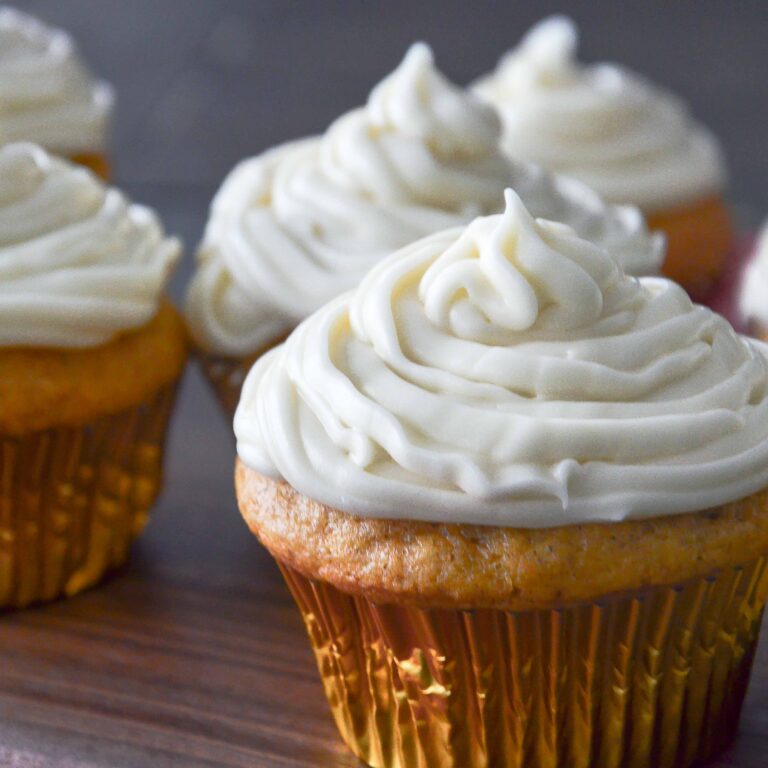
[
  {"x": 754, "y": 289},
  {"x": 521, "y": 501},
  {"x": 90, "y": 354},
  {"x": 47, "y": 94},
  {"x": 631, "y": 141},
  {"x": 297, "y": 225}
]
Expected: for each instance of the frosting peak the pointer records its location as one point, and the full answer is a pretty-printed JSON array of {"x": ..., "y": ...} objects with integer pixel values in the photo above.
[
  {"x": 546, "y": 55},
  {"x": 416, "y": 100},
  {"x": 46, "y": 93},
  {"x": 513, "y": 273},
  {"x": 298, "y": 225},
  {"x": 510, "y": 373},
  {"x": 631, "y": 141},
  {"x": 78, "y": 263}
]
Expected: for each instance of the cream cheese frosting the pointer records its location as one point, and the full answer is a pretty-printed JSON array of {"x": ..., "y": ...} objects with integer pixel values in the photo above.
[
  {"x": 47, "y": 95},
  {"x": 631, "y": 141},
  {"x": 754, "y": 290},
  {"x": 298, "y": 225},
  {"x": 78, "y": 262},
  {"x": 509, "y": 373}
]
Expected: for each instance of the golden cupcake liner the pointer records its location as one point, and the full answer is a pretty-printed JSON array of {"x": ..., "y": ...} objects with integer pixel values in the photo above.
[
  {"x": 72, "y": 499},
  {"x": 654, "y": 678}
]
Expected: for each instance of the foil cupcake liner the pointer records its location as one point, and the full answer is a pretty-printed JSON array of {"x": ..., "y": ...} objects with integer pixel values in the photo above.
[
  {"x": 72, "y": 499},
  {"x": 651, "y": 679}
]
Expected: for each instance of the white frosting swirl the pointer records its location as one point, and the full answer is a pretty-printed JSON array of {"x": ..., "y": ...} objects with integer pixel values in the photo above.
[
  {"x": 754, "y": 289},
  {"x": 78, "y": 262},
  {"x": 296, "y": 226},
  {"x": 46, "y": 93},
  {"x": 629, "y": 140},
  {"x": 510, "y": 374}
]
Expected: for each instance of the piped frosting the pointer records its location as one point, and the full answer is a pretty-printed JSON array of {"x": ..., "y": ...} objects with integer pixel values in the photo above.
[
  {"x": 509, "y": 373},
  {"x": 296, "y": 226},
  {"x": 47, "y": 95},
  {"x": 79, "y": 263},
  {"x": 629, "y": 140}
]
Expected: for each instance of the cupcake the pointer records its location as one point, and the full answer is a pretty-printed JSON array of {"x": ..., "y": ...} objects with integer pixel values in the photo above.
[
  {"x": 631, "y": 141},
  {"x": 90, "y": 353},
  {"x": 754, "y": 289},
  {"x": 296, "y": 226},
  {"x": 521, "y": 500},
  {"x": 48, "y": 96}
]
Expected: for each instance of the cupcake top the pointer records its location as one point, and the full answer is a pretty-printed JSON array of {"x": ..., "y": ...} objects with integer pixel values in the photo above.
[
  {"x": 754, "y": 289},
  {"x": 46, "y": 93},
  {"x": 79, "y": 263},
  {"x": 628, "y": 139},
  {"x": 294, "y": 227},
  {"x": 509, "y": 373}
]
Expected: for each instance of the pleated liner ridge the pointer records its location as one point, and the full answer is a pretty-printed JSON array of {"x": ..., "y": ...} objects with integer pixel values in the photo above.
[
  {"x": 72, "y": 499},
  {"x": 650, "y": 679}
]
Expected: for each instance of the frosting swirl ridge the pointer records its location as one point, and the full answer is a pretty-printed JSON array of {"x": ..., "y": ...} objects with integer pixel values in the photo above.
[
  {"x": 298, "y": 225},
  {"x": 510, "y": 373},
  {"x": 631, "y": 141},
  {"x": 78, "y": 263},
  {"x": 46, "y": 93}
]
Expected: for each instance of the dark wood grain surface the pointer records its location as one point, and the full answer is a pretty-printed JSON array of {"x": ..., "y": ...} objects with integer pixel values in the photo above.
[{"x": 193, "y": 655}]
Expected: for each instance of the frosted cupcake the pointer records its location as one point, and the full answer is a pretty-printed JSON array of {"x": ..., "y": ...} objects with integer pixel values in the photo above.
[
  {"x": 48, "y": 96},
  {"x": 298, "y": 225},
  {"x": 521, "y": 501},
  {"x": 90, "y": 353},
  {"x": 754, "y": 289},
  {"x": 631, "y": 141}
]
